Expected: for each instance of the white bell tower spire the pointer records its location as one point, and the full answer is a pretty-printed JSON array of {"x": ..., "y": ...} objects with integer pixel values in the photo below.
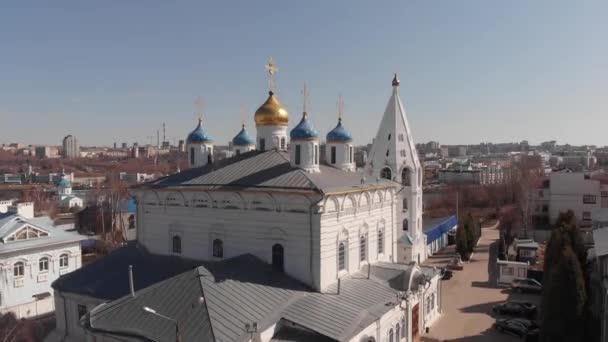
[{"x": 393, "y": 156}]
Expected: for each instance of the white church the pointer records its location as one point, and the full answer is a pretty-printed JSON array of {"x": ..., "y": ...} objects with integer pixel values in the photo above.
[{"x": 269, "y": 245}]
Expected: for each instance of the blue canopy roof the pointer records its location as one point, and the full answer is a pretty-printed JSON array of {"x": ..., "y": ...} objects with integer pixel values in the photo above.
[
  {"x": 304, "y": 130},
  {"x": 339, "y": 134},
  {"x": 198, "y": 135},
  {"x": 243, "y": 138},
  {"x": 434, "y": 228},
  {"x": 64, "y": 182}
]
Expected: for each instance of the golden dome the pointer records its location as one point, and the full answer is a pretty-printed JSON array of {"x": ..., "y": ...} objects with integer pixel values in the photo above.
[{"x": 271, "y": 113}]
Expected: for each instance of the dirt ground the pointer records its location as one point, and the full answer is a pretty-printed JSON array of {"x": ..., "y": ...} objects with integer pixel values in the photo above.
[{"x": 469, "y": 296}]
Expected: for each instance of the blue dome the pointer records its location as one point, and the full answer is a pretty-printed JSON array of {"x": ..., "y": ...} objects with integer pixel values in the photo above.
[
  {"x": 198, "y": 135},
  {"x": 339, "y": 134},
  {"x": 243, "y": 138},
  {"x": 64, "y": 182},
  {"x": 304, "y": 130}
]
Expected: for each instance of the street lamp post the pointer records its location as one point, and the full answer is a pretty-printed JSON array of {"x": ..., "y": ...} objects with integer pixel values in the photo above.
[{"x": 149, "y": 310}]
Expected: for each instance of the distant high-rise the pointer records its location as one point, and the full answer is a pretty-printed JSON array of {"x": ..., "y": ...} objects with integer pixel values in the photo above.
[{"x": 70, "y": 147}]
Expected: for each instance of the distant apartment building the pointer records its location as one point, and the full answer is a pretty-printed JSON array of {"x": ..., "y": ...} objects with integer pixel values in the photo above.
[
  {"x": 585, "y": 195},
  {"x": 70, "y": 147},
  {"x": 135, "y": 177},
  {"x": 8, "y": 178},
  {"x": 479, "y": 175},
  {"x": 47, "y": 152}
]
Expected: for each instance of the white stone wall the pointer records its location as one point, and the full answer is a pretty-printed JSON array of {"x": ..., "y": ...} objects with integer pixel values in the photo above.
[
  {"x": 347, "y": 218},
  {"x": 272, "y": 136},
  {"x": 68, "y": 327},
  {"x": 18, "y": 291},
  {"x": 201, "y": 154},
  {"x": 567, "y": 191},
  {"x": 343, "y": 160},
  {"x": 309, "y": 154}
]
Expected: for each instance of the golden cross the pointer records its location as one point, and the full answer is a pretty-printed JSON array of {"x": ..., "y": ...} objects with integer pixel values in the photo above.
[
  {"x": 199, "y": 108},
  {"x": 271, "y": 68},
  {"x": 305, "y": 94}
]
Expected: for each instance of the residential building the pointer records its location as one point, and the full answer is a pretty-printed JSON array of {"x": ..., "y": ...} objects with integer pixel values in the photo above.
[
  {"x": 71, "y": 149},
  {"x": 33, "y": 254}
]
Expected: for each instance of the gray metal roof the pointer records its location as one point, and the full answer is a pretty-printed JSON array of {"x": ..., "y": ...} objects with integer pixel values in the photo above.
[
  {"x": 236, "y": 291},
  {"x": 12, "y": 222},
  {"x": 268, "y": 169}
]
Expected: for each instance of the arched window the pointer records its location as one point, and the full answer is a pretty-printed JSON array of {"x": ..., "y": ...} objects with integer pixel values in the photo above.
[
  {"x": 405, "y": 224},
  {"x": 316, "y": 154},
  {"x": 380, "y": 240},
  {"x": 386, "y": 173},
  {"x": 398, "y": 331},
  {"x": 404, "y": 329},
  {"x": 298, "y": 153},
  {"x": 191, "y": 156},
  {"x": 43, "y": 264},
  {"x": 406, "y": 177},
  {"x": 404, "y": 204},
  {"x": 342, "y": 256},
  {"x": 64, "y": 261},
  {"x": 278, "y": 257},
  {"x": 209, "y": 158},
  {"x": 390, "y": 335},
  {"x": 282, "y": 143},
  {"x": 218, "y": 248},
  {"x": 19, "y": 269},
  {"x": 363, "y": 248},
  {"x": 177, "y": 244}
]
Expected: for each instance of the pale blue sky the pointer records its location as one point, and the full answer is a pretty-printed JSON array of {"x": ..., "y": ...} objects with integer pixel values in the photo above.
[{"x": 470, "y": 71}]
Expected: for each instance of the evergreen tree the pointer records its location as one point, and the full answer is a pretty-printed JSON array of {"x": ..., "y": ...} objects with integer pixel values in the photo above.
[
  {"x": 564, "y": 299},
  {"x": 462, "y": 246},
  {"x": 470, "y": 232}
]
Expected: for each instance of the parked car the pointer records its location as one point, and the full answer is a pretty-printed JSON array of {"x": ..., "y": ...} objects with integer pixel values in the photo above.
[
  {"x": 446, "y": 274},
  {"x": 526, "y": 285},
  {"x": 515, "y": 308},
  {"x": 516, "y": 326}
]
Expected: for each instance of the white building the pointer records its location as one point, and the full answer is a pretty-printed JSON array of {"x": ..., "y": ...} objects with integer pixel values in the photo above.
[
  {"x": 70, "y": 147},
  {"x": 576, "y": 191},
  {"x": 32, "y": 255},
  {"x": 65, "y": 198},
  {"x": 280, "y": 240}
]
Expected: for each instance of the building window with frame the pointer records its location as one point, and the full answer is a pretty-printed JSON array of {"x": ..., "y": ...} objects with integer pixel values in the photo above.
[
  {"x": 404, "y": 204},
  {"x": 82, "y": 310},
  {"x": 406, "y": 176},
  {"x": 604, "y": 194},
  {"x": 586, "y": 216},
  {"x": 316, "y": 154},
  {"x": 218, "y": 248},
  {"x": 386, "y": 173},
  {"x": 405, "y": 225},
  {"x": 191, "y": 155},
  {"x": 43, "y": 264},
  {"x": 508, "y": 271},
  {"x": 391, "y": 337},
  {"x": 380, "y": 241},
  {"x": 282, "y": 143},
  {"x": 363, "y": 248},
  {"x": 403, "y": 328},
  {"x": 64, "y": 261},
  {"x": 342, "y": 256},
  {"x": 262, "y": 144},
  {"x": 351, "y": 154},
  {"x": 19, "y": 269},
  {"x": 298, "y": 153},
  {"x": 398, "y": 331},
  {"x": 589, "y": 199},
  {"x": 333, "y": 154},
  {"x": 176, "y": 244}
]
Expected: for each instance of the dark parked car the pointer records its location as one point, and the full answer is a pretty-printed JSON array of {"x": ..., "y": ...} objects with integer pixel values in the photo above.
[
  {"x": 515, "y": 308},
  {"x": 526, "y": 285},
  {"x": 516, "y": 326},
  {"x": 446, "y": 274}
]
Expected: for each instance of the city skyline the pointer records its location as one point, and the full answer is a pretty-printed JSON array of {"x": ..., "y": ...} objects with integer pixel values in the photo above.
[{"x": 526, "y": 72}]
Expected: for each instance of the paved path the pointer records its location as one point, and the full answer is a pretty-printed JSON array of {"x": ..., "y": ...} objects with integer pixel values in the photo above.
[{"x": 469, "y": 296}]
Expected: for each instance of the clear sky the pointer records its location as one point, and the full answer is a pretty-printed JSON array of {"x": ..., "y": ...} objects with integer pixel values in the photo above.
[{"x": 470, "y": 71}]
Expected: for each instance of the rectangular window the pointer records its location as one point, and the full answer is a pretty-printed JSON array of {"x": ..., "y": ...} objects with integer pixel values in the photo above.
[
  {"x": 82, "y": 310},
  {"x": 604, "y": 193},
  {"x": 507, "y": 271},
  {"x": 333, "y": 154},
  {"x": 316, "y": 154},
  {"x": 191, "y": 155},
  {"x": 521, "y": 273},
  {"x": 589, "y": 199},
  {"x": 587, "y": 215},
  {"x": 262, "y": 144},
  {"x": 238, "y": 152},
  {"x": 298, "y": 153},
  {"x": 351, "y": 153}
]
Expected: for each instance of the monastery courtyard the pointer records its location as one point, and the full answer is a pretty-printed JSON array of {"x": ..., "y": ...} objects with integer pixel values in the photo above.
[{"x": 468, "y": 297}]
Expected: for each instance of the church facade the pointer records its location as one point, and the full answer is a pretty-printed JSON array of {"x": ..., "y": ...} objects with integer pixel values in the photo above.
[{"x": 335, "y": 251}]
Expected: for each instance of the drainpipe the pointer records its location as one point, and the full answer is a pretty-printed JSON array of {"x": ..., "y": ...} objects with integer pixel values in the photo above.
[{"x": 65, "y": 315}]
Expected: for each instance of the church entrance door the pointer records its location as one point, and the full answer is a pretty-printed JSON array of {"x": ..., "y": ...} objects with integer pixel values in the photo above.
[
  {"x": 278, "y": 257},
  {"x": 415, "y": 320}
]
